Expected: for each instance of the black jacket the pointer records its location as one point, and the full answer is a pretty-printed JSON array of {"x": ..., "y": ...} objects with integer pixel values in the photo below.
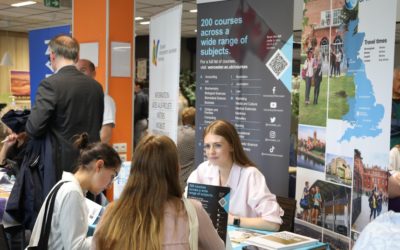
[{"x": 67, "y": 103}]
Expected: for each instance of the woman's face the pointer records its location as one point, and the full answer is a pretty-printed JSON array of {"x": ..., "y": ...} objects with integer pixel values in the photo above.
[
  {"x": 218, "y": 150},
  {"x": 102, "y": 178}
]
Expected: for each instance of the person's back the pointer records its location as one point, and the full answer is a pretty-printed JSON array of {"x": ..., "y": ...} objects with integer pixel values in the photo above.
[
  {"x": 77, "y": 107},
  {"x": 79, "y": 99},
  {"x": 186, "y": 145},
  {"x": 67, "y": 103},
  {"x": 186, "y": 150},
  {"x": 176, "y": 229}
]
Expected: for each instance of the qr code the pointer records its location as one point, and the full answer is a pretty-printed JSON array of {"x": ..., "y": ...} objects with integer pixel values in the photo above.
[
  {"x": 278, "y": 64},
  {"x": 222, "y": 202}
]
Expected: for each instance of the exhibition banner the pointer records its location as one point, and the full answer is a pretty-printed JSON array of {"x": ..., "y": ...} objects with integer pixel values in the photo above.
[
  {"x": 344, "y": 117},
  {"x": 165, "y": 48},
  {"x": 243, "y": 75},
  {"x": 39, "y": 64}
]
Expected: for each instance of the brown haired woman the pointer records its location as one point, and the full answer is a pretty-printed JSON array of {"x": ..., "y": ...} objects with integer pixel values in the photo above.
[
  {"x": 151, "y": 214},
  {"x": 98, "y": 165},
  {"x": 251, "y": 203}
]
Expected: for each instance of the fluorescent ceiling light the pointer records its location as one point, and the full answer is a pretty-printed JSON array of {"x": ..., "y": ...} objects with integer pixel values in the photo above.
[
  {"x": 138, "y": 18},
  {"x": 25, "y": 3},
  {"x": 145, "y": 23},
  {"x": 193, "y": 11}
]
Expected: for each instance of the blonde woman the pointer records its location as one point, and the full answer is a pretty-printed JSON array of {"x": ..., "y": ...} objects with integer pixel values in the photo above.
[{"x": 151, "y": 213}]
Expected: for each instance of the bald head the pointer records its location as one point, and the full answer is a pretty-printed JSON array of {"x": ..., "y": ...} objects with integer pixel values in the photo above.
[
  {"x": 396, "y": 84},
  {"x": 86, "y": 67},
  {"x": 65, "y": 46}
]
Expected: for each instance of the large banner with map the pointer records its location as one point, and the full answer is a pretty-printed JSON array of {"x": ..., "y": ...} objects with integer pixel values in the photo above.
[{"x": 344, "y": 117}]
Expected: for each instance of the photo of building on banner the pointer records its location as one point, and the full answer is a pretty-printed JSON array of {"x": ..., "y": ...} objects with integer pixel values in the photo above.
[{"x": 344, "y": 117}]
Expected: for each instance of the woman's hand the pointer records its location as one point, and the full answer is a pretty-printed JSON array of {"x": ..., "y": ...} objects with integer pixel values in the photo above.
[{"x": 10, "y": 140}]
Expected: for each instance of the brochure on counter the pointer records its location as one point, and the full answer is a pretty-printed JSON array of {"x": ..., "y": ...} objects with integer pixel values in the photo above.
[
  {"x": 122, "y": 179},
  {"x": 215, "y": 200},
  {"x": 281, "y": 241},
  {"x": 239, "y": 235}
]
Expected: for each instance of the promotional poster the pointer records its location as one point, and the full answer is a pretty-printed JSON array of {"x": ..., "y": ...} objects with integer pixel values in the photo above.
[
  {"x": 165, "y": 49},
  {"x": 344, "y": 117},
  {"x": 244, "y": 67}
]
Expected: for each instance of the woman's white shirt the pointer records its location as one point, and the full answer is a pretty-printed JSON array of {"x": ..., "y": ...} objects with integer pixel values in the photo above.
[
  {"x": 69, "y": 224},
  {"x": 250, "y": 196}
]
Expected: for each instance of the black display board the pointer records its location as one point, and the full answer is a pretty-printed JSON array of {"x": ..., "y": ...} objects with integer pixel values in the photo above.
[{"x": 244, "y": 57}]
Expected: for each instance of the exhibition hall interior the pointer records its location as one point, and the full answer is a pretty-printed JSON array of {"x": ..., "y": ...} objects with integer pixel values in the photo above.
[{"x": 200, "y": 124}]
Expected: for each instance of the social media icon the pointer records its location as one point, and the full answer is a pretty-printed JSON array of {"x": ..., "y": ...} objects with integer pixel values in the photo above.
[
  {"x": 273, "y": 90},
  {"x": 272, "y": 105},
  {"x": 272, "y": 119},
  {"x": 272, "y": 134},
  {"x": 271, "y": 149}
]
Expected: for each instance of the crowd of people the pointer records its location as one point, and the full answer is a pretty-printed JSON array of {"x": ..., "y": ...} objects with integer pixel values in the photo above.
[{"x": 61, "y": 152}]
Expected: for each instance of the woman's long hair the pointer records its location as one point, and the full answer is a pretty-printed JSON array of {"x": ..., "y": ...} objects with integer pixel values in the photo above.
[
  {"x": 228, "y": 131},
  {"x": 135, "y": 220}
]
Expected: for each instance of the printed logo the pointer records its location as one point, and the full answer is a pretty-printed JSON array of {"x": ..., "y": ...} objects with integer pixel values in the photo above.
[
  {"x": 156, "y": 45},
  {"x": 272, "y": 119},
  {"x": 272, "y": 149}
]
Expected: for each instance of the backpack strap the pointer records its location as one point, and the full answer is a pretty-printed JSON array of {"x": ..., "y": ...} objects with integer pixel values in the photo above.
[
  {"x": 193, "y": 224},
  {"x": 47, "y": 217}
]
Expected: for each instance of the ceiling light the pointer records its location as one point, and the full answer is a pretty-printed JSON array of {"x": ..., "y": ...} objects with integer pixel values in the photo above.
[
  {"x": 195, "y": 30},
  {"x": 145, "y": 23},
  {"x": 138, "y": 18},
  {"x": 25, "y": 3},
  {"x": 193, "y": 11}
]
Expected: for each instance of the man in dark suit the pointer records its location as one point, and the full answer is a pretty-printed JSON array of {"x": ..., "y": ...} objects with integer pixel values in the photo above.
[{"x": 67, "y": 103}]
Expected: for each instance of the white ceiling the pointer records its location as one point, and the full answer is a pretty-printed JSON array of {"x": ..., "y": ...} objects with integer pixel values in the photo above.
[
  {"x": 34, "y": 16},
  {"x": 38, "y": 16}
]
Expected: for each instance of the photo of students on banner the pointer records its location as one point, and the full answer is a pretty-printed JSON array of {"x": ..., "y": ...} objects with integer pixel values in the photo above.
[
  {"x": 370, "y": 191},
  {"x": 344, "y": 116},
  {"x": 324, "y": 61}
]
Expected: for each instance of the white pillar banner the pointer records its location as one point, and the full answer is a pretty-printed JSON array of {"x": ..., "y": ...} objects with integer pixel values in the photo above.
[{"x": 165, "y": 47}]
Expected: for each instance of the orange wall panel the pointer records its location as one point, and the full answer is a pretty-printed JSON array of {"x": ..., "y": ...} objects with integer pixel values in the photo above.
[
  {"x": 121, "y": 88},
  {"x": 89, "y": 25}
]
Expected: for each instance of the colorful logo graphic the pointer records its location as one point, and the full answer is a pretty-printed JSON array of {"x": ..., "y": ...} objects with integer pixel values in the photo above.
[
  {"x": 156, "y": 45},
  {"x": 351, "y": 4}
]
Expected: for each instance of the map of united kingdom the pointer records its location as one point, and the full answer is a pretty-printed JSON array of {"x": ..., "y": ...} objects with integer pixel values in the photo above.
[{"x": 364, "y": 113}]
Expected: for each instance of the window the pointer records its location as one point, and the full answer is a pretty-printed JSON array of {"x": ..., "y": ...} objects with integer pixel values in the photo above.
[
  {"x": 326, "y": 17},
  {"x": 324, "y": 45}
]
